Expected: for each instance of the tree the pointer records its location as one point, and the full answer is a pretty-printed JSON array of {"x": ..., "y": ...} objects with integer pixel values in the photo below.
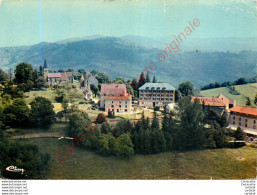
[
  {"x": 60, "y": 115},
  {"x": 241, "y": 81},
  {"x": 23, "y": 155},
  {"x": 94, "y": 89},
  {"x": 119, "y": 80},
  {"x": 81, "y": 71},
  {"x": 101, "y": 118},
  {"x": 155, "y": 122},
  {"x": 107, "y": 144},
  {"x": 124, "y": 146},
  {"x": 130, "y": 90},
  {"x": 191, "y": 127},
  {"x": 239, "y": 134},
  {"x": 154, "y": 79},
  {"x": 16, "y": 114},
  {"x": 186, "y": 88},
  {"x": 40, "y": 82},
  {"x": 141, "y": 80},
  {"x": 223, "y": 122},
  {"x": 177, "y": 95},
  {"x": 105, "y": 128},
  {"x": 23, "y": 73},
  {"x": 34, "y": 77},
  {"x": 248, "y": 101},
  {"x": 41, "y": 113},
  {"x": 3, "y": 76},
  {"x": 60, "y": 95},
  {"x": 147, "y": 78},
  {"x": 255, "y": 99},
  {"x": 158, "y": 141},
  {"x": 65, "y": 106},
  {"x": 134, "y": 84},
  {"x": 123, "y": 126},
  {"x": 165, "y": 123},
  {"x": 147, "y": 141},
  {"x": 70, "y": 70}
]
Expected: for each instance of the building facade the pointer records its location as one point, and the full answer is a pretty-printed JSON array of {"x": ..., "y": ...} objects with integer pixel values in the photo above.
[
  {"x": 217, "y": 104},
  {"x": 114, "y": 97},
  {"x": 156, "y": 95},
  {"x": 59, "y": 77},
  {"x": 91, "y": 80},
  {"x": 243, "y": 117}
]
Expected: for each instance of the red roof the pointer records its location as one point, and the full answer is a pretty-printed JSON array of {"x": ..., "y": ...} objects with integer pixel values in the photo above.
[
  {"x": 224, "y": 99},
  {"x": 117, "y": 97},
  {"x": 244, "y": 110},
  {"x": 114, "y": 90},
  {"x": 64, "y": 76},
  {"x": 209, "y": 101},
  {"x": 54, "y": 75}
]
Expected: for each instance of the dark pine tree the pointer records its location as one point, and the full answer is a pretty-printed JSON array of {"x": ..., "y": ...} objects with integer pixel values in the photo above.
[
  {"x": 141, "y": 80},
  {"x": 154, "y": 79}
]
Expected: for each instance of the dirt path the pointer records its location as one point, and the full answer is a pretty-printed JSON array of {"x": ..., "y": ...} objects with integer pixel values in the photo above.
[{"x": 37, "y": 135}]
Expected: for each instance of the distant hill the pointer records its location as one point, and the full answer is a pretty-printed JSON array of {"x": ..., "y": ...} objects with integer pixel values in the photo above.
[
  {"x": 127, "y": 56},
  {"x": 248, "y": 90}
]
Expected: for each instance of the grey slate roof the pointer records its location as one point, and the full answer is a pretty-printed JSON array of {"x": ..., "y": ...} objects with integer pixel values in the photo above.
[{"x": 155, "y": 85}]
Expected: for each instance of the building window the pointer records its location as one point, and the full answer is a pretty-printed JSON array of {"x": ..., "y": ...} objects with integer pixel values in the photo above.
[
  {"x": 126, "y": 106},
  {"x": 246, "y": 125},
  {"x": 246, "y": 120},
  {"x": 254, "y": 122},
  {"x": 234, "y": 117},
  {"x": 120, "y": 106},
  {"x": 239, "y": 123},
  {"x": 117, "y": 110},
  {"x": 112, "y": 102},
  {"x": 254, "y": 127},
  {"x": 239, "y": 118},
  {"x": 126, "y": 102},
  {"x": 233, "y": 122},
  {"x": 126, "y": 110}
]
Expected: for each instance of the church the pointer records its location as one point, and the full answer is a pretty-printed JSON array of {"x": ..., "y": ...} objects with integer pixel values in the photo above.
[{"x": 56, "y": 77}]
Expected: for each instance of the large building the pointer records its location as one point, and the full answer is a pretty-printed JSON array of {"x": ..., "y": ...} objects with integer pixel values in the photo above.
[
  {"x": 115, "y": 98},
  {"x": 244, "y": 117},
  {"x": 56, "y": 77},
  {"x": 156, "y": 95},
  {"x": 217, "y": 104}
]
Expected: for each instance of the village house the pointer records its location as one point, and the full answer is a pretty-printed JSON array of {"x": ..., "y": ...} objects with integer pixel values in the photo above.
[
  {"x": 217, "y": 104},
  {"x": 156, "y": 95},
  {"x": 90, "y": 80},
  {"x": 115, "y": 98},
  {"x": 243, "y": 117}
]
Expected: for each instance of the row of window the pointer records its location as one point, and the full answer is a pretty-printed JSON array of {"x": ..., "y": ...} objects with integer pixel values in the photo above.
[
  {"x": 142, "y": 91},
  {"x": 119, "y": 110},
  {"x": 154, "y": 95},
  {"x": 246, "y": 120},
  {"x": 239, "y": 124},
  {"x": 161, "y": 99}
]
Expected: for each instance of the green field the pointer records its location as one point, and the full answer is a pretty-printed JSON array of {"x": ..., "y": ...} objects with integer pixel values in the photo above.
[
  {"x": 248, "y": 90},
  {"x": 208, "y": 164}
]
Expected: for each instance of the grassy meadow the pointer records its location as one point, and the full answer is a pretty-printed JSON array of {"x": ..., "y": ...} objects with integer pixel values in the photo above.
[
  {"x": 208, "y": 164},
  {"x": 248, "y": 90}
]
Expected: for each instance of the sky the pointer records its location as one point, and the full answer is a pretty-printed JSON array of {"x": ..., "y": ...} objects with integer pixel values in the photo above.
[{"x": 27, "y": 22}]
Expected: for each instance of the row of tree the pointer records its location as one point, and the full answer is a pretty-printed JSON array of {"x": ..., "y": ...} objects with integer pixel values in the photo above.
[
  {"x": 239, "y": 81},
  {"x": 193, "y": 126}
]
